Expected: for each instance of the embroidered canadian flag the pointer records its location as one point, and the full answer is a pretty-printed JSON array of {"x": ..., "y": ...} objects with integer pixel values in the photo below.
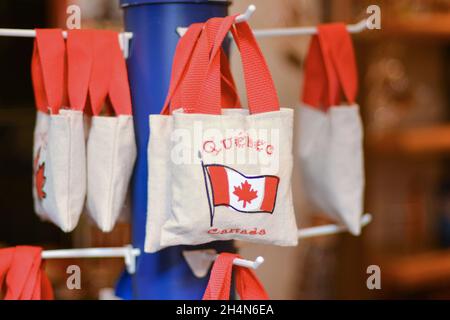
[{"x": 248, "y": 194}]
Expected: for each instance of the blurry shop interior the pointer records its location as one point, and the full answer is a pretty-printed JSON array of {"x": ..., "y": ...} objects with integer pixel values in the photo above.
[{"x": 404, "y": 75}]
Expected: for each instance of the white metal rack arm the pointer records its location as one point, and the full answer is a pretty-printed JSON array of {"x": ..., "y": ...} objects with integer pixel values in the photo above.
[
  {"x": 124, "y": 37},
  {"x": 248, "y": 263},
  {"x": 280, "y": 32},
  {"x": 127, "y": 252},
  {"x": 330, "y": 229},
  {"x": 240, "y": 18},
  {"x": 238, "y": 261},
  {"x": 247, "y": 14}
]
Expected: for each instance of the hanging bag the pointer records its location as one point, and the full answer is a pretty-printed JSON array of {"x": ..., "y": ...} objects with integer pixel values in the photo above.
[
  {"x": 59, "y": 160},
  {"x": 185, "y": 83},
  {"x": 248, "y": 286},
  {"x": 40, "y": 128},
  {"x": 231, "y": 169},
  {"x": 111, "y": 146},
  {"x": 331, "y": 134}
]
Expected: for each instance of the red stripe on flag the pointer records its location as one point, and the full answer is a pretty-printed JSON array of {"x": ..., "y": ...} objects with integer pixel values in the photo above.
[
  {"x": 219, "y": 184},
  {"x": 270, "y": 194}
]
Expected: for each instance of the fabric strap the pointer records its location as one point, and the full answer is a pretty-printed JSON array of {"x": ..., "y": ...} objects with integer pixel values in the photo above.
[
  {"x": 330, "y": 68},
  {"x": 219, "y": 284},
  {"x": 79, "y": 61},
  {"x": 261, "y": 93},
  {"x": 38, "y": 82},
  {"x": 109, "y": 77},
  {"x": 23, "y": 271},
  {"x": 190, "y": 65},
  {"x": 183, "y": 52},
  {"x": 194, "y": 75},
  {"x": 48, "y": 69}
]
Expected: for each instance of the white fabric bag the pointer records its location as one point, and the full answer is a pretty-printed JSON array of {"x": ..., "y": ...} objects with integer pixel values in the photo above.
[
  {"x": 40, "y": 132},
  {"x": 111, "y": 145},
  {"x": 61, "y": 164},
  {"x": 330, "y": 150},
  {"x": 160, "y": 176},
  {"x": 231, "y": 169}
]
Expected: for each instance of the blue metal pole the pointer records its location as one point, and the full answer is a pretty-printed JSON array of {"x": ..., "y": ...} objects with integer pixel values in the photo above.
[{"x": 163, "y": 275}]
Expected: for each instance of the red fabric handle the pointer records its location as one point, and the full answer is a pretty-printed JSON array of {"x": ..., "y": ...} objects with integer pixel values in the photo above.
[
  {"x": 219, "y": 284},
  {"x": 51, "y": 49},
  {"x": 189, "y": 68},
  {"x": 6, "y": 256},
  {"x": 230, "y": 96},
  {"x": 196, "y": 72},
  {"x": 181, "y": 59},
  {"x": 330, "y": 68},
  {"x": 23, "y": 271},
  {"x": 319, "y": 80},
  {"x": 38, "y": 82},
  {"x": 119, "y": 90},
  {"x": 79, "y": 61},
  {"x": 190, "y": 83},
  {"x": 342, "y": 57},
  {"x": 109, "y": 74},
  {"x": 261, "y": 93}
]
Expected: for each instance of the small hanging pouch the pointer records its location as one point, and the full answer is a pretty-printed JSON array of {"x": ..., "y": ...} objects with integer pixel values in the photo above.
[
  {"x": 189, "y": 68},
  {"x": 331, "y": 134},
  {"x": 111, "y": 145},
  {"x": 59, "y": 161},
  {"x": 231, "y": 169}
]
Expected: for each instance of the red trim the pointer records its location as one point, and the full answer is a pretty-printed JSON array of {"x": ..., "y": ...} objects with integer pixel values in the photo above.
[
  {"x": 270, "y": 194},
  {"x": 219, "y": 184}
]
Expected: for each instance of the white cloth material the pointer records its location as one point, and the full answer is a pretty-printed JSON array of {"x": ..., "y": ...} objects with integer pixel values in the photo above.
[
  {"x": 159, "y": 201},
  {"x": 111, "y": 153},
  {"x": 252, "y": 145},
  {"x": 330, "y": 153},
  {"x": 65, "y": 170}
]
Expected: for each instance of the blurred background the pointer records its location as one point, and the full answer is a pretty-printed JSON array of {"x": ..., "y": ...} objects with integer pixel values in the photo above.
[{"x": 404, "y": 96}]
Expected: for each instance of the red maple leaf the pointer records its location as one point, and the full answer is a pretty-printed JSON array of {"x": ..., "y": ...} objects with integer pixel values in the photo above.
[
  {"x": 39, "y": 176},
  {"x": 245, "y": 193},
  {"x": 40, "y": 181}
]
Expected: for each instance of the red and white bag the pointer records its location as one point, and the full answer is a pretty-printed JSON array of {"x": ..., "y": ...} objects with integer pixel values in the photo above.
[
  {"x": 59, "y": 159},
  {"x": 248, "y": 286},
  {"x": 331, "y": 134},
  {"x": 111, "y": 146},
  {"x": 194, "y": 45},
  {"x": 42, "y": 120},
  {"x": 231, "y": 169}
]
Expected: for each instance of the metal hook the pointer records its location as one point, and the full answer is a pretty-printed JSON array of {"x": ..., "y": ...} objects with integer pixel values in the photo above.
[
  {"x": 240, "y": 18},
  {"x": 127, "y": 252},
  {"x": 330, "y": 228}
]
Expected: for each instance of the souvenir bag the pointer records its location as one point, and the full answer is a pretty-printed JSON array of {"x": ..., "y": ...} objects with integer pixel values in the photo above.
[
  {"x": 248, "y": 286},
  {"x": 231, "y": 168},
  {"x": 184, "y": 71},
  {"x": 42, "y": 122},
  {"x": 22, "y": 274},
  {"x": 60, "y": 163},
  {"x": 111, "y": 145},
  {"x": 330, "y": 140}
]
